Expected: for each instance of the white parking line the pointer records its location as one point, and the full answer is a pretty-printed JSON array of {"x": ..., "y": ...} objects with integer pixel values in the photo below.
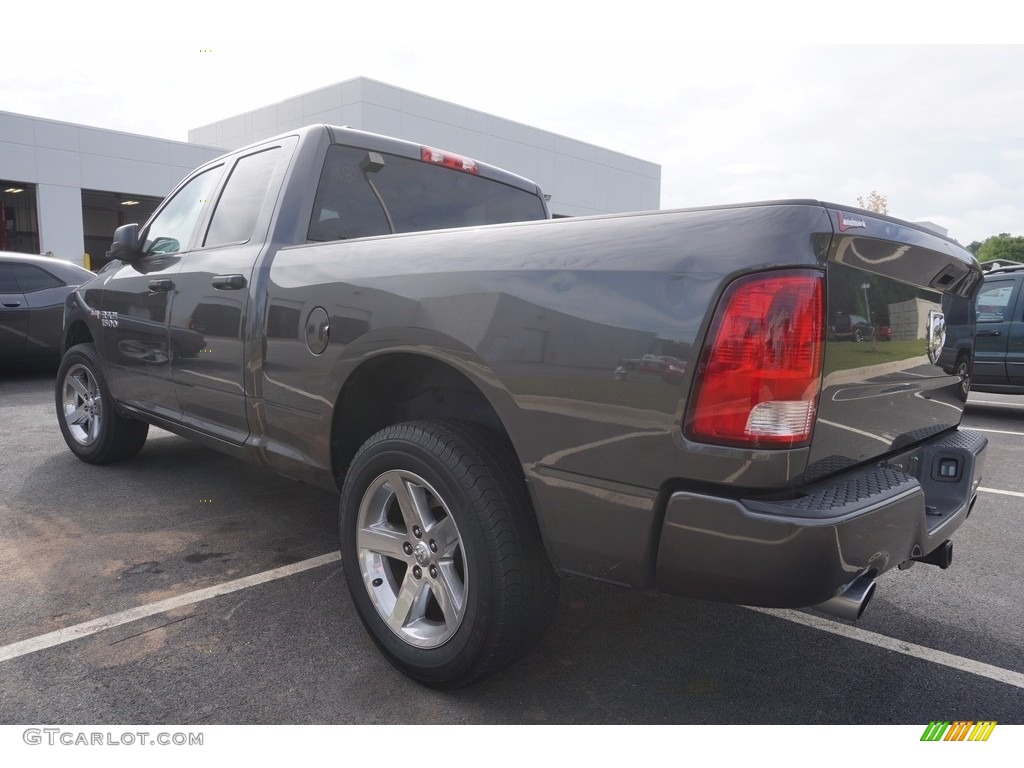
[
  {"x": 995, "y": 431},
  {"x": 957, "y": 408},
  {"x": 1002, "y": 493},
  {"x": 854, "y": 430},
  {"x": 972, "y": 401},
  {"x": 66, "y": 635},
  {"x": 899, "y": 646}
]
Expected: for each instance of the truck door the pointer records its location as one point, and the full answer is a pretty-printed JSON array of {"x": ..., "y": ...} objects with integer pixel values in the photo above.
[
  {"x": 209, "y": 326},
  {"x": 996, "y": 311},
  {"x": 1015, "y": 342},
  {"x": 136, "y": 298}
]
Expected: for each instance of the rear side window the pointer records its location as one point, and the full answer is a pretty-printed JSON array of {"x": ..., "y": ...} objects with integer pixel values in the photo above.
[
  {"x": 994, "y": 300},
  {"x": 359, "y": 196},
  {"x": 7, "y": 282},
  {"x": 32, "y": 278},
  {"x": 234, "y": 219}
]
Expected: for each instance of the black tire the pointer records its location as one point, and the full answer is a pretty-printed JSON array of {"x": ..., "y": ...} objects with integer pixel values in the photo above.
[
  {"x": 459, "y": 526},
  {"x": 963, "y": 370},
  {"x": 858, "y": 335},
  {"x": 93, "y": 429}
]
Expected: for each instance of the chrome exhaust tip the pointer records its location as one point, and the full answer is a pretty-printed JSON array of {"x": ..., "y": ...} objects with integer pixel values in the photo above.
[{"x": 852, "y": 601}]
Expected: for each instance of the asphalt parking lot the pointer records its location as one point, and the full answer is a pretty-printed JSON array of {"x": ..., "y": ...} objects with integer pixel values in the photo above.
[{"x": 240, "y": 623}]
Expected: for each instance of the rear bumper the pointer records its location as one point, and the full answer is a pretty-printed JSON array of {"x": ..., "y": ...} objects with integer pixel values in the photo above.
[{"x": 806, "y": 550}]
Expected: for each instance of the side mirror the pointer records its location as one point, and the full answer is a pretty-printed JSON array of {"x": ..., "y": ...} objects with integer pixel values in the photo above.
[{"x": 126, "y": 243}]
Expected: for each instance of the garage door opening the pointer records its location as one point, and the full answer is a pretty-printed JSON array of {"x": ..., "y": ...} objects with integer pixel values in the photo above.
[
  {"x": 103, "y": 212},
  {"x": 19, "y": 218}
]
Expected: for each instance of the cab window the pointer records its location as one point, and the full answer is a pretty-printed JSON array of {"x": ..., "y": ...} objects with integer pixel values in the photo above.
[
  {"x": 171, "y": 230},
  {"x": 242, "y": 199}
]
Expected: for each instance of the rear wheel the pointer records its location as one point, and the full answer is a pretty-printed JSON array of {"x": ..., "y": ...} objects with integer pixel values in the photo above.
[
  {"x": 963, "y": 370},
  {"x": 441, "y": 552},
  {"x": 91, "y": 426}
]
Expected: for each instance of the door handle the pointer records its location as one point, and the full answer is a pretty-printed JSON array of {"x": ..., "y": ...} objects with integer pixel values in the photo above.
[
  {"x": 988, "y": 333},
  {"x": 162, "y": 284},
  {"x": 12, "y": 304},
  {"x": 229, "y": 282}
]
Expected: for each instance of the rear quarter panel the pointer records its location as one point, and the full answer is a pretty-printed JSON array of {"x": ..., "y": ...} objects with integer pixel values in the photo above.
[
  {"x": 540, "y": 317},
  {"x": 548, "y": 310}
]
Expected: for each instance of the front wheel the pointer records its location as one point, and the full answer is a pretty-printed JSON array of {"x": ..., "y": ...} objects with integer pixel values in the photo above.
[
  {"x": 93, "y": 429},
  {"x": 441, "y": 553}
]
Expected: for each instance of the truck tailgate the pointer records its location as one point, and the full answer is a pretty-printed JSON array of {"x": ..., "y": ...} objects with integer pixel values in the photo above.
[{"x": 899, "y": 336}]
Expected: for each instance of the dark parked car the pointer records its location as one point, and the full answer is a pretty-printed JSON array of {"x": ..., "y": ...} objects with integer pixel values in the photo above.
[
  {"x": 851, "y": 328},
  {"x": 999, "y": 348},
  {"x": 32, "y": 293},
  {"x": 668, "y": 369}
]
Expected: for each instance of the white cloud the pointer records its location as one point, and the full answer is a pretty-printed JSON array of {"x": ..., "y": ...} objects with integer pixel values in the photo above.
[
  {"x": 968, "y": 190},
  {"x": 937, "y": 130},
  {"x": 979, "y": 224}
]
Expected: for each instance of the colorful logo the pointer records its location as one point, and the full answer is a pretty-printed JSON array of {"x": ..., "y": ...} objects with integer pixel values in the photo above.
[
  {"x": 845, "y": 223},
  {"x": 960, "y": 730}
]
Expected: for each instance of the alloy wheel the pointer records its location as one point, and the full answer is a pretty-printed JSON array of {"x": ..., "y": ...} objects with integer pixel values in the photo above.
[
  {"x": 82, "y": 405},
  {"x": 412, "y": 559}
]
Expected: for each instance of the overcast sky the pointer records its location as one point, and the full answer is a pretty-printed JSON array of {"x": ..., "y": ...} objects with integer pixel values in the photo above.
[{"x": 938, "y": 130}]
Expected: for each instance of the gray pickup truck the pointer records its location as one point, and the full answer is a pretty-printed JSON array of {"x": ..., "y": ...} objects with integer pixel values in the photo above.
[{"x": 650, "y": 399}]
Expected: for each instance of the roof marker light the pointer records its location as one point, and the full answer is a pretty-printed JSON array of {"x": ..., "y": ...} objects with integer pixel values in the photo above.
[{"x": 448, "y": 160}]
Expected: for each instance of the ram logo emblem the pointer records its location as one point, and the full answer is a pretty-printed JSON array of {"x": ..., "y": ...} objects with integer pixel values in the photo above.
[{"x": 936, "y": 335}]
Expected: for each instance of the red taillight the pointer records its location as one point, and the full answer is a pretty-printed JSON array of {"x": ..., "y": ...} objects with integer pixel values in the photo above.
[
  {"x": 759, "y": 375},
  {"x": 448, "y": 160}
]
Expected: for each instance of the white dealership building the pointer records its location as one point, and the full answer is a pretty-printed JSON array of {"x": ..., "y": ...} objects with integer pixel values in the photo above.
[{"x": 64, "y": 188}]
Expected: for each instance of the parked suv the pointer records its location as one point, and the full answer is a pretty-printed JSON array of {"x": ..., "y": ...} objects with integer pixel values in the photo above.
[
  {"x": 851, "y": 328},
  {"x": 999, "y": 349}
]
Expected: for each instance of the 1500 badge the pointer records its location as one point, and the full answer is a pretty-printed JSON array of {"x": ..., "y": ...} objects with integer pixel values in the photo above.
[{"x": 107, "y": 319}]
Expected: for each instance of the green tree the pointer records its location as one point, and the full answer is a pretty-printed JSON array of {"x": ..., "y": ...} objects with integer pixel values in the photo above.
[
  {"x": 1003, "y": 247},
  {"x": 974, "y": 246},
  {"x": 875, "y": 202}
]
